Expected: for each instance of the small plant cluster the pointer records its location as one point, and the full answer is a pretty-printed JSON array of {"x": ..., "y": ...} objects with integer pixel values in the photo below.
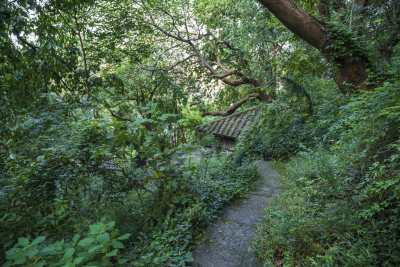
[{"x": 99, "y": 247}]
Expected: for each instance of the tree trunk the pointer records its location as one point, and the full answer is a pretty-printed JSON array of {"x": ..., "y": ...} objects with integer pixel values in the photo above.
[{"x": 351, "y": 72}]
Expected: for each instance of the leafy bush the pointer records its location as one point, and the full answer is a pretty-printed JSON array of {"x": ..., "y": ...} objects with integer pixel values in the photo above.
[
  {"x": 99, "y": 247},
  {"x": 286, "y": 124},
  {"x": 195, "y": 198},
  {"x": 341, "y": 204},
  {"x": 62, "y": 173}
]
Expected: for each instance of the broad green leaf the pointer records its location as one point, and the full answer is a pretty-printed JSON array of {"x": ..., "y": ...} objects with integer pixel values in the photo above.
[
  {"x": 110, "y": 225},
  {"x": 75, "y": 239},
  {"x": 117, "y": 244},
  {"x": 38, "y": 240},
  {"x": 50, "y": 250},
  {"x": 125, "y": 236},
  {"x": 32, "y": 252},
  {"x": 23, "y": 241},
  {"x": 103, "y": 238},
  {"x": 20, "y": 260},
  {"x": 13, "y": 254},
  {"x": 95, "y": 228},
  {"x": 112, "y": 253},
  {"x": 78, "y": 260},
  {"x": 40, "y": 264},
  {"x": 93, "y": 249},
  {"x": 86, "y": 241},
  {"x": 122, "y": 261},
  {"x": 69, "y": 252}
]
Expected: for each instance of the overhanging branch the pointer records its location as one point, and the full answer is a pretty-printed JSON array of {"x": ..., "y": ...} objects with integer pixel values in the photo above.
[
  {"x": 229, "y": 45},
  {"x": 232, "y": 108},
  {"x": 176, "y": 34},
  {"x": 226, "y": 74},
  {"x": 170, "y": 67}
]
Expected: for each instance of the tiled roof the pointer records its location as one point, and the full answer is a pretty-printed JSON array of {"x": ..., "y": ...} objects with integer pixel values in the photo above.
[{"x": 232, "y": 126}]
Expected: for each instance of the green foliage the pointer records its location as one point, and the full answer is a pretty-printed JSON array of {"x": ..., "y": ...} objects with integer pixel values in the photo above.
[
  {"x": 341, "y": 202},
  {"x": 191, "y": 201},
  {"x": 98, "y": 247},
  {"x": 95, "y": 122},
  {"x": 287, "y": 125},
  {"x": 88, "y": 170}
]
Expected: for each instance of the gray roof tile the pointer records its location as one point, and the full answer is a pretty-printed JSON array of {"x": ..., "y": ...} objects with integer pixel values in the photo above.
[{"x": 232, "y": 126}]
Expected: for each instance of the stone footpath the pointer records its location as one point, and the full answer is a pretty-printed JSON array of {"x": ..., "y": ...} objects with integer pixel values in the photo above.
[{"x": 228, "y": 241}]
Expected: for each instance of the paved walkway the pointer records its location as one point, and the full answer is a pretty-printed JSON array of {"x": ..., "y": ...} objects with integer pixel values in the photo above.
[{"x": 228, "y": 241}]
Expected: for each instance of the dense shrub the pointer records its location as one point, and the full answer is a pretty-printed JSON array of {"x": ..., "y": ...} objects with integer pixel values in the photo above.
[
  {"x": 341, "y": 204},
  {"x": 71, "y": 178},
  {"x": 62, "y": 172},
  {"x": 196, "y": 199},
  {"x": 286, "y": 124},
  {"x": 99, "y": 247}
]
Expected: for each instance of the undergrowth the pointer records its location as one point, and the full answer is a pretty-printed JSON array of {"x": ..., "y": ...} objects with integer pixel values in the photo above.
[
  {"x": 158, "y": 224},
  {"x": 340, "y": 206},
  {"x": 196, "y": 200}
]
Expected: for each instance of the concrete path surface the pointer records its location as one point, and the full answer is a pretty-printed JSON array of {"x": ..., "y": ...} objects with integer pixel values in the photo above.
[{"x": 228, "y": 241}]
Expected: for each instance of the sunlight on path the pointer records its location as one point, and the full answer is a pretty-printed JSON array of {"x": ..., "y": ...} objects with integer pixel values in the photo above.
[{"x": 228, "y": 241}]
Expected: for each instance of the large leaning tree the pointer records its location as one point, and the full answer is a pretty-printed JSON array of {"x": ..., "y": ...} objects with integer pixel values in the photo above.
[
  {"x": 342, "y": 31},
  {"x": 351, "y": 65}
]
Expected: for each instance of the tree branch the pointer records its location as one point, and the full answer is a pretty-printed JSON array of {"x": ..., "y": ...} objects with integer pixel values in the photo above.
[
  {"x": 148, "y": 125},
  {"x": 78, "y": 32},
  {"x": 215, "y": 73},
  {"x": 231, "y": 109},
  {"x": 220, "y": 65},
  {"x": 226, "y": 74},
  {"x": 323, "y": 8},
  {"x": 297, "y": 21},
  {"x": 170, "y": 67},
  {"x": 229, "y": 45},
  {"x": 177, "y": 36},
  {"x": 21, "y": 39}
]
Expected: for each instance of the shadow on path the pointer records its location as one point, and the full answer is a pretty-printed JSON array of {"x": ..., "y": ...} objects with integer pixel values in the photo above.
[{"x": 228, "y": 241}]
